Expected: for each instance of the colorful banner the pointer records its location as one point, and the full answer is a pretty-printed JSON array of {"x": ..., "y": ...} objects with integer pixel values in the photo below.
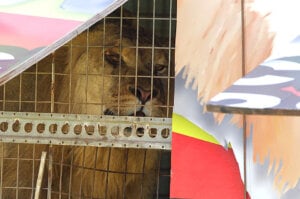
[{"x": 31, "y": 29}]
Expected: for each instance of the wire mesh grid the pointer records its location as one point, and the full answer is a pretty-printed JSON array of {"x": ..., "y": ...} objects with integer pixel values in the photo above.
[{"x": 132, "y": 51}]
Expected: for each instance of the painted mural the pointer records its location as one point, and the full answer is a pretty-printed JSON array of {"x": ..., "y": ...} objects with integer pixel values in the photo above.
[
  {"x": 217, "y": 43},
  {"x": 31, "y": 29},
  {"x": 271, "y": 88}
]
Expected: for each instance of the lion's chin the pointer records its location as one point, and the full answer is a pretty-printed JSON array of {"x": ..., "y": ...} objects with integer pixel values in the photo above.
[{"x": 139, "y": 114}]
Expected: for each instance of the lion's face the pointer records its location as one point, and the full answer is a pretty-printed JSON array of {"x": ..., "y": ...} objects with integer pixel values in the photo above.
[
  {"x": 121, "y": 81},
  {"x": 139, "y": 90}
]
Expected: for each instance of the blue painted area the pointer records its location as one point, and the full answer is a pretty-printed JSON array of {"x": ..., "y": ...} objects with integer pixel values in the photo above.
[{"x": 19, "y": 54}]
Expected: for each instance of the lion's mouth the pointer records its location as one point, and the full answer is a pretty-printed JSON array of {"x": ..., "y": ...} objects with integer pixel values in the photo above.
[
  {"x": 139, "y": 113},
  {"x": 108, "y": 112}
]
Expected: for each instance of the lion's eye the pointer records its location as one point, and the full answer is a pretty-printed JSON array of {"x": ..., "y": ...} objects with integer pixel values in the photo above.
[
  {"x": 159, "y": 68},
  {"x": 113, "y": 57}
]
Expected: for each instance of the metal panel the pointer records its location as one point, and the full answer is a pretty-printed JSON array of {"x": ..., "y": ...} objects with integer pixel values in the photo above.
[{"x": 85, "y": 130}]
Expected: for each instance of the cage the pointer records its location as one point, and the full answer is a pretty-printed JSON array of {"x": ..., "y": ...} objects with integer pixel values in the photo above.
[{"x": 100, "y": 109}]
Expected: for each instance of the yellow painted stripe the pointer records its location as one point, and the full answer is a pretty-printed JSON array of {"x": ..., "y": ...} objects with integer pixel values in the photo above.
[{"x": 183, "y": 126}]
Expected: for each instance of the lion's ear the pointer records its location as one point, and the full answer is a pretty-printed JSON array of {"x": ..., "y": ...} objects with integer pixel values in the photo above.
[{"x": 112, "y": 55}]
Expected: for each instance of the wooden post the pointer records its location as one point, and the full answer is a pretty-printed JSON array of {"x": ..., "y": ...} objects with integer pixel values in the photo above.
[{"x": 40, "y": 176}]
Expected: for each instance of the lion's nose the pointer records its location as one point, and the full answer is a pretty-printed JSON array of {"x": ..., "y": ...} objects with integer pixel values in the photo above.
[{"x": 143, "y": 95}]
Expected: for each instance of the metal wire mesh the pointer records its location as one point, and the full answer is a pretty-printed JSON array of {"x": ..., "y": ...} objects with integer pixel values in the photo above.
[{"x": 49, "y": 95}]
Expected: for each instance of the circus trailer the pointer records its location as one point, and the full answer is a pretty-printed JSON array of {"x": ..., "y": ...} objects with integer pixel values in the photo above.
[
  {"x": 236, "y": 105},
  {"x": 86, "y": 98}
]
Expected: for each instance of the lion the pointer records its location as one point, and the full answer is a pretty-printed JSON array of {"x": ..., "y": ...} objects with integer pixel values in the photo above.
[
  {"x": 116, "y": 79},
  {"x": 123, "y": 80}
]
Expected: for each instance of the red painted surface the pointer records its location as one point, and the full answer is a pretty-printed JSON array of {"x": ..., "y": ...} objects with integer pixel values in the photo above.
[
  {"x": 31, "y": 32},
  {"x": 202, "y": 170}
]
